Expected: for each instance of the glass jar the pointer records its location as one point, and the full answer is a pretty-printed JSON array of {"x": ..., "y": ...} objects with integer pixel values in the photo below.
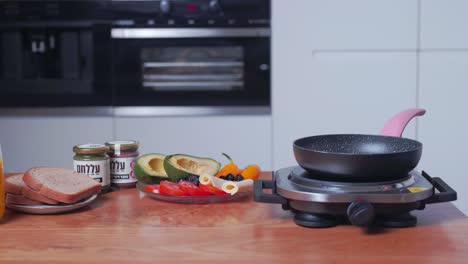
[
  {"x": 92, "y": 159},
  {"x": 122, "y": 156}
]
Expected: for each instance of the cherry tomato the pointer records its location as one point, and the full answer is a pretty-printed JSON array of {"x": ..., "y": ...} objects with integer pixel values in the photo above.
[
  {"x": 167, "y": 187},
  {"x": 192, "y": 189},
  {"x": 212, "y": 189},
  {"x": 153, "y": 188}
]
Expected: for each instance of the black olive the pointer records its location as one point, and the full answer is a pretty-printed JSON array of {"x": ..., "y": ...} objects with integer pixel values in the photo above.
[
  {"x": 192, "y": 178},
  {"x": 230, "y": 177},
  {"x": 239, "y": 177}
]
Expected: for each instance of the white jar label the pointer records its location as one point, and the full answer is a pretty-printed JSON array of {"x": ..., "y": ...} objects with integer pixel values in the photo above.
[
  {"x": 121, "y": 170},
  {"x": 98, "y": 170}
]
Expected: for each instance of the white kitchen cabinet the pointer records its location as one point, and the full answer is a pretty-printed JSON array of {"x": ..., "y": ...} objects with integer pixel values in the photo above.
[
  {"x": 337, "y": 92},
  {"x": 48, "y": 141},
  {"x": 443, "y": 24},
  {"x": 444, "y": 131},
  {"x": 345, "y": 25},
  {"x": 247, "y": 139}
]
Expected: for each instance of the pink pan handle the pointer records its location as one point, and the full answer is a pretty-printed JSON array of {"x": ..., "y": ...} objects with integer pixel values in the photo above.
[{"x": 396, "y": 125}]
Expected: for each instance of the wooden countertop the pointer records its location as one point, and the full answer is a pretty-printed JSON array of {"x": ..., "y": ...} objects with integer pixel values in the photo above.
[{"x": 127, "y": 227}]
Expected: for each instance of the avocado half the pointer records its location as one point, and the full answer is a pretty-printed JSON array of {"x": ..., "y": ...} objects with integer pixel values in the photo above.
[
  {"x": 180, "y": 166},
  {"x": 149, "y": 168}
]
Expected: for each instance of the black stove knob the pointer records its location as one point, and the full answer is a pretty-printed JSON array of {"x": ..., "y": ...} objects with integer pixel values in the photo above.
[
  {"x": 165, "y": 6},
  {"x": 214, "y": 6},
  {"x": 361, "y": 213}
]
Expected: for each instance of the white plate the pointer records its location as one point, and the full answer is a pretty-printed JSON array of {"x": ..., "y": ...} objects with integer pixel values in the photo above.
[{"x": 51, "y": 209}]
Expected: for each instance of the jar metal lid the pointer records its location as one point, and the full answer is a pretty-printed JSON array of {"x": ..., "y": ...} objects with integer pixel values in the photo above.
[
  {"x": 90, "y": 149},
  {"x": 122, "y": 145}
]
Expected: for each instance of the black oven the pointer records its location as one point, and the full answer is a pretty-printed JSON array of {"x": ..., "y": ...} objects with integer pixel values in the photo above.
[
  {"x": 126, "y": 56},
  {"x": 54, "y": 55},
  {"x": 191, "y": 66}
]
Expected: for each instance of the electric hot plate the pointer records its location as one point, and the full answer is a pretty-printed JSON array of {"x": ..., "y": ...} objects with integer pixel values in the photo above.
[{"x": 319, "y": 202}]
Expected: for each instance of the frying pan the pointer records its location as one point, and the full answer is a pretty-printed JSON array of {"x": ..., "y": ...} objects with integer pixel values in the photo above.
[{"x": 357, "y": 157}]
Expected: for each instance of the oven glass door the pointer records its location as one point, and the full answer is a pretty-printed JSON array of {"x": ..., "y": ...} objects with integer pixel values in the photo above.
[
  {"x": 191, "y": 72},
  {"x": 179, "y": 69}
]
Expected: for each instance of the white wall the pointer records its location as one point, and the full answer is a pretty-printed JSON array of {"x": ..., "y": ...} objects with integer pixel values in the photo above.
[
  {"x": 340, "y": 67},
  {"x": 346, "y": 66},
  {"x": 443, "y": 24},
  {"x": 247, "y": 139},
  {"x": 48, "y": 141},
  {"x": 347, "y": 25},
  {"x": 443, "y": 89},
  {"x": 354, "y": 92}
]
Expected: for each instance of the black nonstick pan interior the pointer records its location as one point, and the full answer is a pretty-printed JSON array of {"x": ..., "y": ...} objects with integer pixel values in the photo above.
[{"x": 355, "y": 157}]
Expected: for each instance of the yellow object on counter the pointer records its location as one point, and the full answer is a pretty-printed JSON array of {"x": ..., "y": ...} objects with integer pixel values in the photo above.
[
  {"x": 206, "y": 179},
  {"x": 235, "y": 187},
  {"x": 2, "y": 187},
  {"x": 230, "y": 187}
]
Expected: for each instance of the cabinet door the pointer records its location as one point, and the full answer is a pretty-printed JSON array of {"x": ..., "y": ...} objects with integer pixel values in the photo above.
[
  {"x": 338, "y": 92},
  {"x": 444, "y": 131},
  {"x": 339, "y": 24},
  {"x": 247, "y": 139},
  {"x": 42, "y": 141},
  {"x": 443, "y": 24}
]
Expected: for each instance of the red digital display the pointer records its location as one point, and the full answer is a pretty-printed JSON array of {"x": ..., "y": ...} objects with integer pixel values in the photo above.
[{"x": 190, "y": 7}]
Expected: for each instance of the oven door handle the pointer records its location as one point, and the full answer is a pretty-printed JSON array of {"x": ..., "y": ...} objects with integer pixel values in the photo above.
[
  {"x": 161, "y": 33},
  {"x": 446, "y": 193}
]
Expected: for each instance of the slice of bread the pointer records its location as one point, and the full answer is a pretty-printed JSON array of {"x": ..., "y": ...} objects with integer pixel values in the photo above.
[
  {"x": 61, "y": 184},
  {"x": 14, "y": 184},
  {"x": 19, "y": 199},
  {"x": 34, "y": 195}
]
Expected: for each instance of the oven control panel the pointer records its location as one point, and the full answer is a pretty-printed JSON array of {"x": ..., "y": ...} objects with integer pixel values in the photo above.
[{"x": 149, "y": 13}]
